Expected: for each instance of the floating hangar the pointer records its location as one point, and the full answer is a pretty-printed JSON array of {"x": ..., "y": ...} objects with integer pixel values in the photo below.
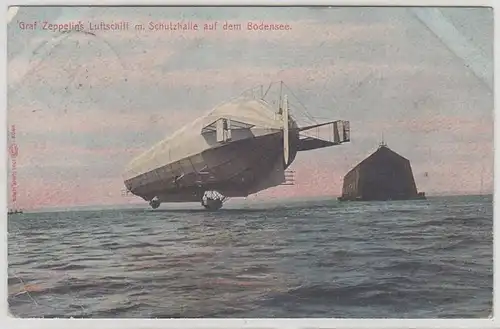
[{"x": 384, "y": 175}]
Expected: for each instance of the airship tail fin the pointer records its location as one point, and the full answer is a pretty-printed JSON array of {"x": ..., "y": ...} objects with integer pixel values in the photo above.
[
  {"x": 310, "y": 138},
  {"x": 286, "y": 144}
]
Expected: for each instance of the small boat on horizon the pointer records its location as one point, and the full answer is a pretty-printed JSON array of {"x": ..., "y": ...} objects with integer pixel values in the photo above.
[{"x": 14, "y": 211}]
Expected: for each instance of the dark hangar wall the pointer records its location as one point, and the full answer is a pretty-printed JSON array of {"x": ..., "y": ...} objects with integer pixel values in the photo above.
[{"x": 384, "y": 175}]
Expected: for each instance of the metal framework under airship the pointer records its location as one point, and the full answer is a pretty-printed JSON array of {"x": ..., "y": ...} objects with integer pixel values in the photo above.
[{"x": 237, "y": 149}]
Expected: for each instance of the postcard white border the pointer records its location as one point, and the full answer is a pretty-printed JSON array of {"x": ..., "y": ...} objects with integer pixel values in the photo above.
[
  {"x": 8, "y": 322},
  {"x": 403, "y": 3}
]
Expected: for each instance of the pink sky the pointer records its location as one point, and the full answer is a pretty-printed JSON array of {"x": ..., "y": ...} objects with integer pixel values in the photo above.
[{"x": 96, "y": 102}]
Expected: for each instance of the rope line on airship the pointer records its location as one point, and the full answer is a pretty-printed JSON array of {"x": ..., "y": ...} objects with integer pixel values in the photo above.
[{"x": 263, "y": 96}]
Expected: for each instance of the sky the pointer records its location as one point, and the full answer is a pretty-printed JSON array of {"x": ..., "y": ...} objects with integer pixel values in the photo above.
[{"x": 84, "y": 105}]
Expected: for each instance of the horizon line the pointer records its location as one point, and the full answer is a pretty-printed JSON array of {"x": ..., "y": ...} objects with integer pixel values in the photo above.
[{"x": 266, "y": 200}]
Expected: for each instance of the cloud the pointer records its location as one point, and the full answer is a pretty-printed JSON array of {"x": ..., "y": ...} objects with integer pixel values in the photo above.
[
  {"x": 449, "y": 124},
  {"x": 64, "y": 155},
  {"x": 78, "y": 119},
  {"x": 45, "y": 192},
  {"x": 314, "y": 73},
  {"x": 436, "y": 124}
]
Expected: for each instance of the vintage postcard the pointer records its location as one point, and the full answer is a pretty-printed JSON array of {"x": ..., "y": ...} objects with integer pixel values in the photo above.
[{"x": 260, "y": 162}]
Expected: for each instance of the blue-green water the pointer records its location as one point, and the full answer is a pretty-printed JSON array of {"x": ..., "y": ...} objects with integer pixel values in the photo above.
[{"x": 303, "y": 259}]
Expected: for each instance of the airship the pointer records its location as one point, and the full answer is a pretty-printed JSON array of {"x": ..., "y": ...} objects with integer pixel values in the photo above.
[{"x": 240, "y": 147}]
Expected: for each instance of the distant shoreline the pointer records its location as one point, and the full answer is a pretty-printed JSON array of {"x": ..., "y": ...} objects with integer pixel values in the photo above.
[{"x": 236, "y": 201}]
